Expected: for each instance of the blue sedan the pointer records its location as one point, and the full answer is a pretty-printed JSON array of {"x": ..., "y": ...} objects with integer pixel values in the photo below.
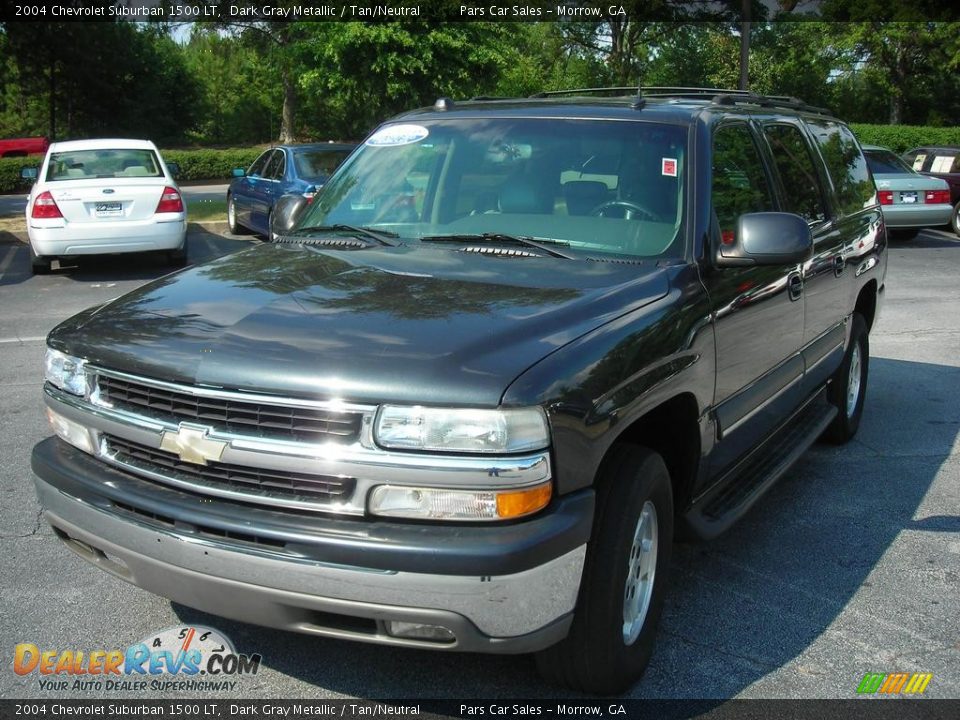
[{"x": 283, "y": 169}]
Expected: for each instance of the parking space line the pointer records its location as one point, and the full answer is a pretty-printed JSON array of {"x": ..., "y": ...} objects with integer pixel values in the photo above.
[
  {"x": 36, "y": 338},
  {"x": 7, "y": 259}
]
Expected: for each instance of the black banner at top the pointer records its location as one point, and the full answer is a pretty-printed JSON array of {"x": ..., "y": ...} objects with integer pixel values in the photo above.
[{"x": 476, "y": 10}]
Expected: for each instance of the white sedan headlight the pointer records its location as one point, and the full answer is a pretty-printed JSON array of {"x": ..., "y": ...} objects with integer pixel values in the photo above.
[
  {"x": 65, "y": 371},
  {"x": 508, "y": 430}
]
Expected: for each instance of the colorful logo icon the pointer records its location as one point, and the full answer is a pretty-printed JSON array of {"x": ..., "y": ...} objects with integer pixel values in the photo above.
[{"x": 894, "y": 683}]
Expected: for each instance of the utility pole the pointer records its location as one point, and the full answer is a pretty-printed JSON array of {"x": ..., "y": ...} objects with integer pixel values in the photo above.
[{"x": 744, "y": 44}]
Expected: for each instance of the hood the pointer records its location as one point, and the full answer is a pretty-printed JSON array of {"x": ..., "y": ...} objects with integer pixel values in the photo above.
[{"x": 414, "y": 323}]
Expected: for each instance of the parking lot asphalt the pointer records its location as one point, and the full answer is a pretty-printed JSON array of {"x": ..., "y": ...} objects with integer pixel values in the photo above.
[{"x": 851, "y": 564}]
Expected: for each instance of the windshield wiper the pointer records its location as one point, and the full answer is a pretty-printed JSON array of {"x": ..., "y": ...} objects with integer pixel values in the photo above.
[
  {"x": 384, "y": 237},
  {"x": 525, "y": 240}
]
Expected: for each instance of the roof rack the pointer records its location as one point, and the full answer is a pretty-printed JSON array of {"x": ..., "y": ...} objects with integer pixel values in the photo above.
[
  {"x": 720, "y": 96},
  {"x": 632, "y": 89}
]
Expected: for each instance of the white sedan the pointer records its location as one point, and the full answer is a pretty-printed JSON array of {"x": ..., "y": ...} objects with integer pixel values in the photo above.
[{"x": 104, "y": 196}]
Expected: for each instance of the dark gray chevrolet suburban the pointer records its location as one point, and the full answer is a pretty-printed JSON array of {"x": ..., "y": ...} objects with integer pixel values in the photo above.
[{"x": 512, "y": 351}]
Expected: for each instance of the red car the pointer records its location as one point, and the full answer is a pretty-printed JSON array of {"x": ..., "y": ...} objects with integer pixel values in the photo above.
[
  {"x": 20, "y": 147},
  {"x": 942, "y": 162}
]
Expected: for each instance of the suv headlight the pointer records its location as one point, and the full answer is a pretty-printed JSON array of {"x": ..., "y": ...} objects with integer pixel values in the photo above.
[
  {"x": 508, "y": 430},
  {"x": 65, "y": 371}
]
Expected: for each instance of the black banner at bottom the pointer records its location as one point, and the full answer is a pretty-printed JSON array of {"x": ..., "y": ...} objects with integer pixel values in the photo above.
[{"x": 607, "y": 709}]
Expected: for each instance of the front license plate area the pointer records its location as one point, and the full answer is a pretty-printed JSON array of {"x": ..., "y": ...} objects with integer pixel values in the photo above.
[{"x": 108, "y": 209}]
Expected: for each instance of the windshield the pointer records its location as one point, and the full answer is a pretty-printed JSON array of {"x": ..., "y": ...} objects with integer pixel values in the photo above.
[
  {"x": 103, "y": 163},
  {"x": 597, "y": 186},
  {"x": 884, "y": 162}
]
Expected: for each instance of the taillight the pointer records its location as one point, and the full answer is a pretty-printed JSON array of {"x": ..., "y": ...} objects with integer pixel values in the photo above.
[
  {"x": 939, "y": 197},
  {"x": 886, "y": 197},
  {"x": 170, "y": 201},
  {"x": 45, "y": 207}
]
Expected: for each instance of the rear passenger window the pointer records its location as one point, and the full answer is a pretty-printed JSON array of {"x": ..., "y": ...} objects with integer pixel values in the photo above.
[
  {"x": 845, "y": 164},
  {"x": 801, "y": 186},
  {"x": 739, "y": 182}
]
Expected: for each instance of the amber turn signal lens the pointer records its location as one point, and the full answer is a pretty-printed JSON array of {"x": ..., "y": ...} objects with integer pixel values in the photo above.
[{"x": 523, "y": 502}]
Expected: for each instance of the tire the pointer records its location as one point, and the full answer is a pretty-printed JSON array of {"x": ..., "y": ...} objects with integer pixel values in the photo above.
[
  {"x": 270, "y": 227},
  {"x": 604, "y": 653},
  {"x": 39, "y": 265},
  {"x": 848, "y": 386},
  {"x": 233, "y": 226},
  {"x": 955, "y": 220},
  {"x": 177, "y": 258}
]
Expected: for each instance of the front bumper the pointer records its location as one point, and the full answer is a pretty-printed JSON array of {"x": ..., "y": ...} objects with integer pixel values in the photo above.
[{"x": 504, "y": 589}]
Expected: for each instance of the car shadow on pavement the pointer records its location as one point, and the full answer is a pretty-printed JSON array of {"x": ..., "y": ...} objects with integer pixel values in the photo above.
[
  {"x": 928, "y": 239},
  {"x": 202, "y": 246},
  {"x": 800, "y": 599}
]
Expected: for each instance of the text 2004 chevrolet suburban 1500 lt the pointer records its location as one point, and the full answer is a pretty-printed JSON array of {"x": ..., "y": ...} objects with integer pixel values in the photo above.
[{"x": 467, "y": 402}]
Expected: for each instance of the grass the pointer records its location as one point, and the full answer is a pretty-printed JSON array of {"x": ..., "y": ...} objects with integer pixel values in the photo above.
[{"x": 207, "y": 211}]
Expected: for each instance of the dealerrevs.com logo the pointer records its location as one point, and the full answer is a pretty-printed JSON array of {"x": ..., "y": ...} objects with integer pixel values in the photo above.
[{"x": 178, "y": 658}]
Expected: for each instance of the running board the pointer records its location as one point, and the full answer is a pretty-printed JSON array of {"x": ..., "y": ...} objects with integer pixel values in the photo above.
[{"x": 739, "y": 488}]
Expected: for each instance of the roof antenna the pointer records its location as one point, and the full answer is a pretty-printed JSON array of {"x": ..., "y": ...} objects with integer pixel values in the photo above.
[
  {"x": 443, "y": 104},
  {"x": 638, "y": 101}
]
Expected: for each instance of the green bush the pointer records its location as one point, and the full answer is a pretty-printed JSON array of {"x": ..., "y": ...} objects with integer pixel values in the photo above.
[
  {"x": 901, "y": 138},
  {"x": 194, "y": 165},
  {"x": 210, "y": 164},
  {"x": 10, "y": 181}
]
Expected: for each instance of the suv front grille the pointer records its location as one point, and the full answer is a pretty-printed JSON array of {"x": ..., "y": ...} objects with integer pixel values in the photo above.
[
  {"x": 257, "y": 419},
  {"x": 250, "y": 481}
]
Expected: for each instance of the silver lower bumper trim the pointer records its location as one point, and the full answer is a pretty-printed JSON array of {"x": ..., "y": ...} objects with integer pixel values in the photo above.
[{"x": 515, "y": 613}]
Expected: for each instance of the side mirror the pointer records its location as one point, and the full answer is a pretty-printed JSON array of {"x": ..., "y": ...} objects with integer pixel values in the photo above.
[
  {"x": 286, "y": 212},
  {"x": 29, "y": 173},
  {"x": 239, "y": 172},
  {"x": 766, "y": 238},
  {"x": 174, "y": 169}
]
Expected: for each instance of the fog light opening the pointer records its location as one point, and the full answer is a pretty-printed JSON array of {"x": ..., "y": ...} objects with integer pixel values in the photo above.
[{"x": 419, "y": 631}]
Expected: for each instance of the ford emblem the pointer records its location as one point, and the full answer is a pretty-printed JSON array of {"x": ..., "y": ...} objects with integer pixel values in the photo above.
[{"x": 108, "y": 191}]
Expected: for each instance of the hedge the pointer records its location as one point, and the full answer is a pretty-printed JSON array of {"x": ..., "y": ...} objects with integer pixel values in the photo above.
[
  {"x": 206, "y": 164},
  {"x": 901, "y": 138},
  {"x": 194, "y": 165},
  {"x": 211, "y": 164}
]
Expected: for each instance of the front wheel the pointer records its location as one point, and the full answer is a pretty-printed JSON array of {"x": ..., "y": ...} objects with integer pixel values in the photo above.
[
  {"x": 848, "y": 387},
  {"x": 624, "y": 578}
]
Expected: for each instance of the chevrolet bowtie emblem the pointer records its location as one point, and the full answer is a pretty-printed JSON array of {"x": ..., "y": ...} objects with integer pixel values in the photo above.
[{"x": 192, "y": 444}]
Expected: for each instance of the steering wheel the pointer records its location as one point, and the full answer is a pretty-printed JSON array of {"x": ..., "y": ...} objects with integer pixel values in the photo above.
[{"x": 631, "y": 210}]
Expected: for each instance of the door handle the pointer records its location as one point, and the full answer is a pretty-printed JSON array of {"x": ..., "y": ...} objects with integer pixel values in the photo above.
[
  {"x": 839, "y": 265},
  {"x": 795, "y": 286}
]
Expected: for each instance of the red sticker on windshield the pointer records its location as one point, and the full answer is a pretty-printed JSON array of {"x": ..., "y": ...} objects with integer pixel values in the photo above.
[{"x": 668, "y": 167}]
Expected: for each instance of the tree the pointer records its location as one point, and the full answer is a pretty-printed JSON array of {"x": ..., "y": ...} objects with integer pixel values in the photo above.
[{"x": 361, "y": 73}]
